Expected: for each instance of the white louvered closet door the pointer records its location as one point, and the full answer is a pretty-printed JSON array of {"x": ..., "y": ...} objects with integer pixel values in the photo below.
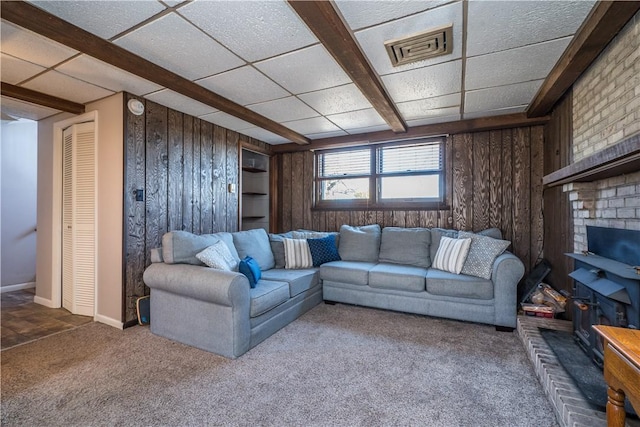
[{"x": 79, "y": 218}]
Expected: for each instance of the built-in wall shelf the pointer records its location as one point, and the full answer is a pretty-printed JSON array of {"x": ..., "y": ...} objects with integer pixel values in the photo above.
[
  {"x": 253, "y": 169},
  {"x": 255, "y": 198},
  {"x": 253, "y": 217},
  {"x": 250, "y": 193},
  {"x": 619, "y": 159}
]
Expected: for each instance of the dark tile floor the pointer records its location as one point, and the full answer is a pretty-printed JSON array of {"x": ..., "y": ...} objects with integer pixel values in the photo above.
[{"x": 22, "y": 320}]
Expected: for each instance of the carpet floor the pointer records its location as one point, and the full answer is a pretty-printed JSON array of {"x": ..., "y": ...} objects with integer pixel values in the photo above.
[{"x": 336, "y": 365}]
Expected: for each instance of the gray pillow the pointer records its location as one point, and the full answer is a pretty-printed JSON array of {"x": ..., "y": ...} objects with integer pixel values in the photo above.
[
  {"x": 359, "y": 243},
  {"x": 228, "y": 239},
  {"x": 181, "y": 247},
  {"x": 277, "y": 247},
  {"x": 255, "y": 243},
  {"x": 405, "y": 246},
  {"x": 436, "y": 234},
  {"x": 491, "y": 232},
  {"x": 483, "y": 251}
]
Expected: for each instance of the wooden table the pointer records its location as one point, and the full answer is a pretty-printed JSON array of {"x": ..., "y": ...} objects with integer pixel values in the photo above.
[{"x": 621, "y": 370}]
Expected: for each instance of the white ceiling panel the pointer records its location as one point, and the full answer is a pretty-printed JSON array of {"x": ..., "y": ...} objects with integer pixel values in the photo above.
[
  {"x": 491, "y": 113},
  {"x": 31, "y": 47},
  {"x": 227, "y": 121},
  {"x": 254, "y": 30},
  {"x": 178, "y": 46},
  {"x": 336, "y": 100},
  {"x": 530, "y": 62},
  {"x": 433, "y": 120},
  {"x": 181, "y": 103},
  {"x": 305, "y": 70},
  {"x": 244, "y": 85},
  {"x": 65, "y": 87},
  {"x": 90, "y": 15},
  {"x": 377, "y": 128},
  {"x": 428, "y": 82},
  {"x": 415, "y": 109},
  {"x": 357, "y": 119},
  {"x": 498, "y": 25},
  {"x": 15, "y": 70},
  {"x": 25, "y": 110},
  {"x": 360, "y": 14},
  {"x": 284, "y": 109},
  {"x": 501, "y": 97},
  {"x": 372, "y": 39},
  {"x": 107, "y": 76},
  {"x": 265, "y": 136},
  {"x": 327, "y": 134},
  {"x": 311, "y": 126}
]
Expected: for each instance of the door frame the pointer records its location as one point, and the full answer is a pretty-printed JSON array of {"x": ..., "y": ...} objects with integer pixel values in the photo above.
[{"x": 56, "y": 211}]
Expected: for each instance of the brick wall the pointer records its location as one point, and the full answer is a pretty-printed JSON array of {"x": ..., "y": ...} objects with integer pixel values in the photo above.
[{"x": 606, "y": 110}]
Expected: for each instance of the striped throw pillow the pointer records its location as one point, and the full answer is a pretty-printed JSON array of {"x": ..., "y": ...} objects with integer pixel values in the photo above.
[
  {"x": 451, "y": 254},
  {"x": 297, "y": 254}
]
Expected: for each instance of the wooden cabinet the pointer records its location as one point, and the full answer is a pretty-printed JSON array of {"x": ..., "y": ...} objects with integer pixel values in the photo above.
[{"x": 254, "y": 212}]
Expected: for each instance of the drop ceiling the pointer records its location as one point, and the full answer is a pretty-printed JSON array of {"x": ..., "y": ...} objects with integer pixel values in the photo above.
[{"x": 262, "y": 56}]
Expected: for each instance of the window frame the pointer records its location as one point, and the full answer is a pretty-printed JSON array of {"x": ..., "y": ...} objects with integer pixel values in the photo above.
[{"x": 375, "y": 202}]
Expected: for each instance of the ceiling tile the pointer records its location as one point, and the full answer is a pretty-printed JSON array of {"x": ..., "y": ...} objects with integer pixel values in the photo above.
[
  {"x": 90, "y": 15},
  {"x": 254, "y": 30},
  {"x": 433, "y": 120},
  {"x": 360, "y": 14},
  {"x": 327, "y": 134},
  {"x": 178, "y": 46},
  {"x": 284, "y": 109},
  {"x": 357, "y": 119},
  {"x": 25, "y": 110},
  {"x": 494, "y": 26},
  {"x": 372, "y": 39},
  {"x": 491, "y": 113},
  {"x": 313, "y": 125},
  {"x": 377, "y": 128},
  {"x": 420, "y": 108},
  {"x": 501, "y": 97},
  {"x": 427, "y": 82},
  {"x": 107, "y": 76},
  {"x": 15, "y": 70},
  {"x": 517, "y": 65},
  {"x": 336, "y": 99},
  {"x": 244, "y": 85},
  {"x": 265, "y": 136},
  {"x": 305, "y": 70},
  {"x": 227, "y": 121},
  {"x": 32, "y": 47},
  {"x": 65, "y": 87},
  {"x": 181, "y": 103}
]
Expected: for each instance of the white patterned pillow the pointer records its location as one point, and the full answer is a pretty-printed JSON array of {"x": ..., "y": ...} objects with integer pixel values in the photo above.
[
  {"x": 483, "y": 251},
  {"x": 451, "y": 254},
  {"x": 218, "y": 256},
  {"x": 297, "y": 254}
]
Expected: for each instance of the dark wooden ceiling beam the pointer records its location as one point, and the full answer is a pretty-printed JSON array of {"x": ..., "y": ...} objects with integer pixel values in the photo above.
[
  {"x": 37, "y": 20},
  {"x": 605, "y": 20},
  {"x": 40, "y": 98},
  {"x": 470, "y": 125},
  {"x": 326, "y": 23}
]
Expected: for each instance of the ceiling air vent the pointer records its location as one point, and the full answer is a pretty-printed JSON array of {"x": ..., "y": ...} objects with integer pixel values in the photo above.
[{"x": 420, "y": 46}]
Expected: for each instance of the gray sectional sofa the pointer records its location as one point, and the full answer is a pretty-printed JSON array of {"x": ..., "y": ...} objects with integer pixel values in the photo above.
[{"x": 391, "y": 269}]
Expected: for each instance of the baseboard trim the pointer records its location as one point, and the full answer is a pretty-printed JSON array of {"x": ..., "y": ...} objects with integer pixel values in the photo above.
[
  {"x": 17, "y": 287},
  {"x": 44, "y": 301},
  {"x": 109, "y": 321}
]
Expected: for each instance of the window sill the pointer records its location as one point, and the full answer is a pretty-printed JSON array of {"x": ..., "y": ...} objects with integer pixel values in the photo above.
[{"x": 385, "y": 207}]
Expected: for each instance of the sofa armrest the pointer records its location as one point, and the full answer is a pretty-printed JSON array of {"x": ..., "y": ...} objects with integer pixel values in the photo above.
[
  {"x": 507, "y": 272},
  {"x": 202, "y": 283}
]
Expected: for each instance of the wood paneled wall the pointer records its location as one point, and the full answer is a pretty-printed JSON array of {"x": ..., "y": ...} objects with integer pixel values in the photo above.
[
  {"x": 494, "y": 179},
  {"x": 183, "y": 165}
]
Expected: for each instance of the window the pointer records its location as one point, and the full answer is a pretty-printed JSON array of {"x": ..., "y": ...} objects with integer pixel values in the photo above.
[{"x": 384, "y": 175}]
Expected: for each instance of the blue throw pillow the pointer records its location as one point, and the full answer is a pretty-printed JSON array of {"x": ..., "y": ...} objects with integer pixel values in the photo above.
[
  {"x": 323, "y": 250},
  {"x": 250, "y": 268}
]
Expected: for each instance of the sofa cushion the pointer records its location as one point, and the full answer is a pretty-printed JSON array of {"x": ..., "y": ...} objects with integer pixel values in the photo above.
[
  {"x": 298, "y": 280},
  {"x": 297, "y": 254},
  {"x": 277, "y": 247},
  {"x": 436, "y": 235},
  {"x": 356, "y": 273},
  {"x": 359, "y": 243},
  {"x": 451, "y": 254},
  {"x": 483, "y": 251},
  {"x": 218, "y": 256},
  {"x": 409, "y": 246},
  {"x": 396, "y": 276},
  {"x": 310, "y": 234},
  {"x": 255, "y": 243},
  {"x": 491, "y": 232},
  {"x": 266, "y": 295},
  {"x": 458, "y": 285},
  {"x": 181, "y": 247},
  {"x": 250, "y": 268},
  {"x": 323, "y": 250}
]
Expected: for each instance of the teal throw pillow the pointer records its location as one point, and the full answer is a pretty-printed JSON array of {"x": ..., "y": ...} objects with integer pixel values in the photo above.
[
  {"x": 250, "y": 268},
  {"x": 323, "y": 250}
]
